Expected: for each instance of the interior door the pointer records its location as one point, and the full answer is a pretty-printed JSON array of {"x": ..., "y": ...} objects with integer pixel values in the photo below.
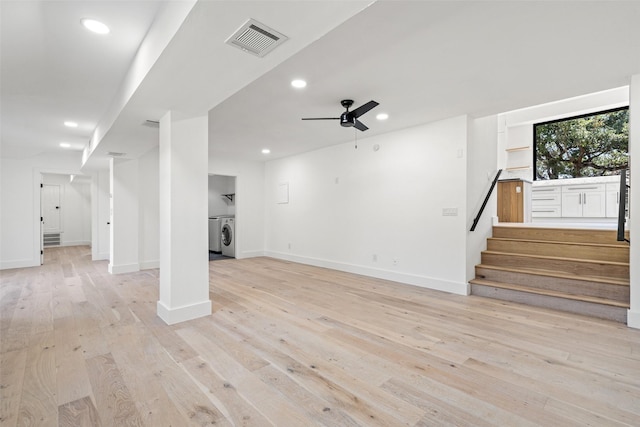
[
  {"x": 41, "y": 224},
  {"x": 51, "y": 208}
]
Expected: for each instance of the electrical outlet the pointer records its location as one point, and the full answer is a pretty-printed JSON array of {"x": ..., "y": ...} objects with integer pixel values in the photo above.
[
  {"x": 289, "y": 246},
  {"x": 375, "y": 257},
  {"x": 449, "y": 211},
  {"x": 395, "y": 261}
]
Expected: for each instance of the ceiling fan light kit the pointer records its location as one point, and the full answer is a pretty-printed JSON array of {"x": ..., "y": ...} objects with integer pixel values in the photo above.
[{"x": 350, "y": 118}]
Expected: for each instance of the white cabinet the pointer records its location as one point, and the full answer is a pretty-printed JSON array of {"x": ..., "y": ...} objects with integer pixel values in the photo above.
[
  {"x": 546, "y": 202},
  {"x": 613, "y": 200},
  {"x": 594, "y": 197},
  {"x": 584, "y": 201}
]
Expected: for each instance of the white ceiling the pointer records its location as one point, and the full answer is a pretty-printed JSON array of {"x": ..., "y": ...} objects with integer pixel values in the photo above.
[
  {"x": 422, "y": 60},
  {"x": 53, "y": 70}
]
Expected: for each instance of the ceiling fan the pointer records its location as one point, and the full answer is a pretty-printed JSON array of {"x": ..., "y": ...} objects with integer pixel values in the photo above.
[{"x": 350, "y": 118}]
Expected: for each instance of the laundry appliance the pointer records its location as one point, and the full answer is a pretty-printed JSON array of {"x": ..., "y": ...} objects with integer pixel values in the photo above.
[
  {"x": 227, "y": 237},
  {"x": 215, "y": 225}
]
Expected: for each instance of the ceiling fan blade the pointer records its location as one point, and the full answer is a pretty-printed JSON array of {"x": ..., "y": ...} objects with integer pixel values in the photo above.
[
  {"x": 321, "y": 118},
  {"x": 360, "y": 126},
  {"x": 363, "y": 108}
]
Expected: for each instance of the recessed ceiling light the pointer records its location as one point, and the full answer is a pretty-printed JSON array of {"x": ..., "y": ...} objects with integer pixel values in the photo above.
[
  {"x": 95, "y": 26},
  {"x": 265, "y": 151},
  {"x": 382, "y": 116},
  {"x": 298, "y": 83},
  {"x": 65, "y": 145},
  {"x": 71, "y": 124}
]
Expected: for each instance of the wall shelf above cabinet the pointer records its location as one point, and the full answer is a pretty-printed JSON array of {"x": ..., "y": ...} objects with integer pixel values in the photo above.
[
  {"x": 509, "y": 150},
  {"x": 513, "y": 168},
  {"x": 230, "y": 196}
]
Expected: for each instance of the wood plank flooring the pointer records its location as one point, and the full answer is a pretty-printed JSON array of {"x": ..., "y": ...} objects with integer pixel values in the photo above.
[{"x": 295, "y": 345}]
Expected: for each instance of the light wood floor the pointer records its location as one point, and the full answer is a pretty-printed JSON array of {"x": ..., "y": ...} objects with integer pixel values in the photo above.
[{"x": 293, "y": 345}]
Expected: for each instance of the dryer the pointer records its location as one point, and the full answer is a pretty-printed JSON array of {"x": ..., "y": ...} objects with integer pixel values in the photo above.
[
  {"x": 214, "y": 234},
  {"x": 227, "y": 237}
]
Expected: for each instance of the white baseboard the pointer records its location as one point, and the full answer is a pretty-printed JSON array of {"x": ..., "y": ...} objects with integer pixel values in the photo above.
[
  {"x": 148, "y": 265},
  {"x": 22, "y": 263},
  {"x": 406, "y": 278},
  {"x": 76, "y": 243},
  {"x": 123, "y": 268},
  {"x": 171, "y": 316},
  {"x": 250, "y": 254},
  {"x": 633, "y": 319},
  {"x": 100, "y": 257}
]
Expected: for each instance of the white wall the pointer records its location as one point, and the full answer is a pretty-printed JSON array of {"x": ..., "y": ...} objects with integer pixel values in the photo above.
[
  {"x": 20, "y": 204},
  {"x": 75, "y": 209},
  {"x": 218, "y": 185},
  {"x": 378, "y": 213},
  {"x": 633, "y": 318},
  {"x": 149, "y": 209},
  {"x": 481, "y": 170},
  {"x": 249, "y": 201}
]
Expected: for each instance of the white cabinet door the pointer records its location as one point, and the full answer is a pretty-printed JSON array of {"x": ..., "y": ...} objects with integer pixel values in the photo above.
[
  {"x": 546, "y": 201},
  {"x": 613, "y": 200},
  {"x": 583, "y": 201},
  {"x": 593, "y": 204},
  {"x": 572, "y": 205}
]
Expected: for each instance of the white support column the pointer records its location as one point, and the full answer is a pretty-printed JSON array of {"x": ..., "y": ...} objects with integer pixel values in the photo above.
[
  {"x": 123, "y": 238},
  {"x": 184, "y": 263},
  {"x": 633, "y": 315}
]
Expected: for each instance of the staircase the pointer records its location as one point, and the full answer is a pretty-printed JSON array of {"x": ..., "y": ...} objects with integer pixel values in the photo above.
[{"x": 575, "y": 270}]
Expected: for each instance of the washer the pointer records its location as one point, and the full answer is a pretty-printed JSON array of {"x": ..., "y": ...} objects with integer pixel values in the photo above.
[{"x": 227, "y": 237}]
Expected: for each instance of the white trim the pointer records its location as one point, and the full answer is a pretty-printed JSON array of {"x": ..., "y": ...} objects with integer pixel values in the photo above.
[
  {"x": 123, "y": 268},
  {"x": 148, "y": 265},
  {"x": 22, "y": 263},
  {"x": 171, "y": 316},
  {"x": 633, "y": 319},
  {"x": 76, "y": 243},
  {"x": 249, "y": 254},
  {"x": 409, "y": 279}
]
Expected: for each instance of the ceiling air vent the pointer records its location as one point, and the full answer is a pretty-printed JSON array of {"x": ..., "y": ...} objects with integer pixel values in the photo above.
[
  {"x": 256, "y": 38},
  {"x": 115, "y": 154}
]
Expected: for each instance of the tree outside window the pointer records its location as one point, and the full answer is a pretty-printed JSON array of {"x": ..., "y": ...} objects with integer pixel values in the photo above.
[{"x": 584, "y": 146}]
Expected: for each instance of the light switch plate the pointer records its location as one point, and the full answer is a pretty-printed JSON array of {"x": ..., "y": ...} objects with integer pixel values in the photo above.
[{"x": 449, "y": 211}]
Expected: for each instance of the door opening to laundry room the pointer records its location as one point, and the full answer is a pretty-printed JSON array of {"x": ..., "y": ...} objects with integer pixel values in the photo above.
[
  {"x": 65, "y": 206},
  {"x": 222, "y": 217}
]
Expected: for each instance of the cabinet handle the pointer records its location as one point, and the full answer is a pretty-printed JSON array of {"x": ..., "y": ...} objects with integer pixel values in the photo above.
[
  {"x": 580, "y": 199},
  {"x": 582, "y": 188},
  {"x": 544, "y": 189},
  {"x": 584, "y": 198},
  {"x": 617, "y": 197},
  {"x": 543, "y": 210},
  {"x": 549, "y": 198}
]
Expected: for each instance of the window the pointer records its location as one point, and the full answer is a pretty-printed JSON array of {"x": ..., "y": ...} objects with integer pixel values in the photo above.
[{"x": 595, "y": 144}]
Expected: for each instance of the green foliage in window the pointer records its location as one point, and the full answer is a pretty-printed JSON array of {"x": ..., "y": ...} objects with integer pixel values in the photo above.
[{"x": 594, "y": 145}]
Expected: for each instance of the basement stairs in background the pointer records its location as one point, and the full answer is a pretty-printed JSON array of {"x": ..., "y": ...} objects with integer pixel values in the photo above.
[{"x": 575, "y": 270}]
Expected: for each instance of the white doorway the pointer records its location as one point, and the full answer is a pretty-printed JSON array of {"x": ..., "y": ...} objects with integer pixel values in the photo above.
[
  {"x": 51, "y": 220},
  {"x": 65, "y": 206}
]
